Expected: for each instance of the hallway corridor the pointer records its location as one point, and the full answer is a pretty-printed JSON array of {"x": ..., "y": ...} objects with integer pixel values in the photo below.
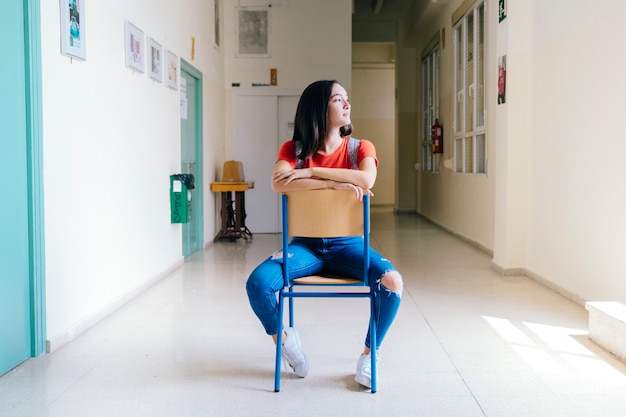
[{"x": 467, "y": 342}]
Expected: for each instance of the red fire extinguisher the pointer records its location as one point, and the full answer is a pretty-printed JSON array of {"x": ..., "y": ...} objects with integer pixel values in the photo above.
[{"x": 437, "y": 137}]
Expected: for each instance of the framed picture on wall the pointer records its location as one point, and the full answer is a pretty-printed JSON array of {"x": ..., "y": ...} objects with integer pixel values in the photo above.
[
  {"x": 253, "y": 32},
  {"x": 134, "y": 47},
  {"x": 155, "y": 63},
  {"x": 73, "y": 26},
  {"x": 171, "y": 70}
]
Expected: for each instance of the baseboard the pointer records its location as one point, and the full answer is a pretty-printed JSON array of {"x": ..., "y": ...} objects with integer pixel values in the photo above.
[
  {"x": 509, "y": 272},
  {"x": 71, "y": 333},
  {"x": 541, "y": 280},
  {"x": 381, "y": 206},
  {"x": 465, "y": 239},
  {"x": 404, "y": 211},
  {"x": 559, "y": 290},
  {"x": 514, "y": 271}
]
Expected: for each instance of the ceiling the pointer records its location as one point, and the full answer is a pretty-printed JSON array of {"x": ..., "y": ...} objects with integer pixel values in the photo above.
[
  {"x": 378, "y": 20},
  {"x": 382, "y": 8}
]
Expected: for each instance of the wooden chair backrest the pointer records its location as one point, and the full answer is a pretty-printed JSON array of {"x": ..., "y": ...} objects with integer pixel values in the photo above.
[
  {"x": 324, "y": 213},
  {"x": 233, "y": 171}
]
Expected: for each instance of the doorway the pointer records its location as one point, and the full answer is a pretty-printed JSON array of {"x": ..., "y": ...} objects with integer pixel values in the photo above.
[
  {"x": 191, "y": 153},
  {"x": 262, "y": 121},
  {"x": 374, "y": 111}
]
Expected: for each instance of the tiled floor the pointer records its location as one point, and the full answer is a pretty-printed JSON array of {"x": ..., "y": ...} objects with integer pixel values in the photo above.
[{"x": 467, "y": 342}]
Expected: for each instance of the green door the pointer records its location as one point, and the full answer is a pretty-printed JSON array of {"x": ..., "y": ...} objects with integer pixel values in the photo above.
[
  {"x": 191, "y": 153},
  {"x": 15, "y": 319}
]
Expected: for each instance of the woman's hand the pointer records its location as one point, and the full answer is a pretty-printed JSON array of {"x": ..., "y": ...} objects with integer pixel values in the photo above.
[
  {"x": 289, "y": 175},
  {"x": 347, "y": 186},
  {"x": 285, "y": 174}
]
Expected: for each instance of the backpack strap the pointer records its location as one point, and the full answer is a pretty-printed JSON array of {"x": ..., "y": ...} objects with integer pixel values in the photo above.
[{"x": 353, "y": 151}]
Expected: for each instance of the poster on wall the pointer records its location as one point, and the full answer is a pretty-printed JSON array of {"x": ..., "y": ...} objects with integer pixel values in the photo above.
[
  {"x": 155, "y": 66},
  {"x": 134, "y": 46},
  {"x": 172, "y": 70},
  {"x": 253, "y": 32},
  {"x": 73, "y": 29},
  {"x": 502, "y": 79}
]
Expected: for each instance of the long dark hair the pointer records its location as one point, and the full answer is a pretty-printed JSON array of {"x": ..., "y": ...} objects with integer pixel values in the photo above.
[{"x": 311, "y": 120}]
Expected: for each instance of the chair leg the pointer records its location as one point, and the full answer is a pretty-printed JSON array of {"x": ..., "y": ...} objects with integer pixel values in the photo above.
[
  {"x": 291, "y": 319},
  {"x": 373, "y": 346},
  {"x": 279, "y": 343}
]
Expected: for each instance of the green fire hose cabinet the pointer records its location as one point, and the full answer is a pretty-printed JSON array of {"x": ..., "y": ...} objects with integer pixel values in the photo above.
[{"x": 180, "y": 197}]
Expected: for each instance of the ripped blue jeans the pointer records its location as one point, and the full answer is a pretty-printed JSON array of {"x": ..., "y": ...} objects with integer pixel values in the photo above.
[{"x": 311, "y": 256}]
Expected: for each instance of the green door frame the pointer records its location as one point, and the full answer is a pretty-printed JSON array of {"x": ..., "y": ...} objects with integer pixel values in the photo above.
[
  {"x": 198, "y": 200},
  {"x": 34, "y": 121},
  {"x": 34, "y": 124}
]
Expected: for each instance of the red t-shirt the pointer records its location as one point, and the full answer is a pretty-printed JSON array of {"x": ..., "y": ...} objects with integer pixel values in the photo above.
[{"x": 338, "y": 159}]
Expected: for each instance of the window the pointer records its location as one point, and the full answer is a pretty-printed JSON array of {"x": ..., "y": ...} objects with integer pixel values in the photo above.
[
  {"x": 469, "y": 86},
  {"x": 430, "y": 108}
]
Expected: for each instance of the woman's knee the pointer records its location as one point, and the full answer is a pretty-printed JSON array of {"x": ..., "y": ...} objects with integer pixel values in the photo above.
[
  {"x": 258, "y": 281},
  {"x": 392, "y": 280},
  {"x": 267, "y": 278},
  {"x": 253, "y": 285}
]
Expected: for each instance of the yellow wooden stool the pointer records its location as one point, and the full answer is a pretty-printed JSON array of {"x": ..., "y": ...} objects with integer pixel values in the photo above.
[{"x": 233, "y": 219}]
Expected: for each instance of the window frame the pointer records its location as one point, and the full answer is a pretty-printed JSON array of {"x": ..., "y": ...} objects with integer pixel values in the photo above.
[{"x": 469, "y": 113}]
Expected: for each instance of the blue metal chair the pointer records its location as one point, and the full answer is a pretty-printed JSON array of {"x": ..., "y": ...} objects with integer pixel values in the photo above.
[{"x": 324, "y": 213}]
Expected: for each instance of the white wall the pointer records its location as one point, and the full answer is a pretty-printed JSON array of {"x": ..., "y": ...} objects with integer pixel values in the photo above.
[
  {"x": 111, "y": 140},
  {"x": 310, "y": 40},
  {"x": 577, "y": 227},
  {"x": 512, "y": 136}
]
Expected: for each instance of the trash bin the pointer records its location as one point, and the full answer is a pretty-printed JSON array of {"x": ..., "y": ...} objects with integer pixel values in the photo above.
[{"x": 180, "y": 197}]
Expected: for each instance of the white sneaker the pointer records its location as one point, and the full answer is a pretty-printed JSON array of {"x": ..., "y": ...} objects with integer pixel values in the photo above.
[
  {"x": 293, "y": 353},
  {"x": 364, "y": 370}
]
